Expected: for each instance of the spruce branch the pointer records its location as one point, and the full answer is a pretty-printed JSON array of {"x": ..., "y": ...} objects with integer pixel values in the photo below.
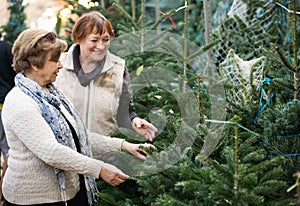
[
  {"x": 282, "y": 57},
  {"x": 133, "y": 13},
  {"x": 233, "y": 123},
  {"x": 296, "y": 69},
  {"x": 126, "y": 14},
  {"x": 236, "y": 175},
  {"x": 186, "y": 36},
  {"x": 208, "y": 31},
  {"x": 204, "y": 49},
  {"x": 157, "y": 9},
  {"x": 143, "y": 26},
  {"x": 297, "y": 186}
]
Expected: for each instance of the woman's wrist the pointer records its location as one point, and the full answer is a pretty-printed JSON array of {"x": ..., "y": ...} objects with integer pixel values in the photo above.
[{"x": 123, "y": 146}]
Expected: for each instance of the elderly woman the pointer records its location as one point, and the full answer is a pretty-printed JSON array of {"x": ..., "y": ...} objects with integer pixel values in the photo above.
[
  {"x": 97, "y": 82},
  {"x": 50, "y": 157}
]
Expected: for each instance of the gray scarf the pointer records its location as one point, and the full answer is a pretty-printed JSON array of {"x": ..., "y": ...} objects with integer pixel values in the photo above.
[{"x": 49, "y": 105}]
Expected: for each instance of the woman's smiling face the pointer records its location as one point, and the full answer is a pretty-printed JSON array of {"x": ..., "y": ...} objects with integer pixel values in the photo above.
[{"x": 93, "y": 47}]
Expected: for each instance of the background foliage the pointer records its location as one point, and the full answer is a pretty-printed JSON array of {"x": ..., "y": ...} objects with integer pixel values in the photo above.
[
  {"x": 16, "y": 22},
  {"x": 249, "y": 166}
]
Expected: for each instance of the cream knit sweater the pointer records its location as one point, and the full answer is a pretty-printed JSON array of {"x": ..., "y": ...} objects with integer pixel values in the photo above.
[{"x": 34, "y": 151}]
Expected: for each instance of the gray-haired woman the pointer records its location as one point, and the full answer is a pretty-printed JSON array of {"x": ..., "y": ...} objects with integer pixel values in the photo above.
[{"x": 50, "y": 157}]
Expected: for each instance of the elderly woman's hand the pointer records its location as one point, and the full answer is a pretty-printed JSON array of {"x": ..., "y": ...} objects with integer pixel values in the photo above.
[
  {"x": 136, "y": 149},
  {"x": 144, "y": 128},
  {"x": 112, "y": 175}
]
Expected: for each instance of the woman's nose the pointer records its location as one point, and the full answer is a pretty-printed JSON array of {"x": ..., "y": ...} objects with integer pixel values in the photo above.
[
  {"x": 59, "y": 64},
  {"x": 101, "y": 45}
]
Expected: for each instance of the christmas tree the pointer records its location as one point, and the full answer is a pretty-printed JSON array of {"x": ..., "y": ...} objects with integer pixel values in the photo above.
[
  {"x": 238, "y": 159},
  {"x": 16, "y": 22},
  {"x": 280, "y": 120}
]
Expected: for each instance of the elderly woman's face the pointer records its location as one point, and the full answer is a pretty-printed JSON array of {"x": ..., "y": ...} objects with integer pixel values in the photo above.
[
  {"x": 94, "y": 47},
  {"x": 49, "y": 72}
]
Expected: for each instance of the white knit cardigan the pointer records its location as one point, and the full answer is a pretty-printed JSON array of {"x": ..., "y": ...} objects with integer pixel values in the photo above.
[{"x": 34, "y": 151}]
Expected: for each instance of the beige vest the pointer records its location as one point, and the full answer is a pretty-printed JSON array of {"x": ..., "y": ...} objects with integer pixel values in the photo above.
[{"x": 97, "y": 103}]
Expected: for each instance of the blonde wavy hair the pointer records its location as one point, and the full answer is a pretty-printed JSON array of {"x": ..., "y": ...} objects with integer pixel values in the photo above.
[{"x": 32, "y": 46}]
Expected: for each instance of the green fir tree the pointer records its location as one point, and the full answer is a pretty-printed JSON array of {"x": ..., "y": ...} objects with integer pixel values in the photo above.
[
  {"x": 280, "y": 120},
  {"x": 244, "y": 165},
  {"x": 16, "y": 23}
]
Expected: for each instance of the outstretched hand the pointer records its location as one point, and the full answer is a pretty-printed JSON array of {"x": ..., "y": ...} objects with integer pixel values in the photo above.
[
  {"x": 144, "y": 128},
  {"x": 112, "y": 175},
  {"x": 136, "y": 149}
]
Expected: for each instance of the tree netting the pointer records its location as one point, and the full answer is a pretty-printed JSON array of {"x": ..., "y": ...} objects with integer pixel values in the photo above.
[
  {"x": 247, "y": 27},
  {"x": 246, "y": 30},
  {"x": 241, "y": 77}
]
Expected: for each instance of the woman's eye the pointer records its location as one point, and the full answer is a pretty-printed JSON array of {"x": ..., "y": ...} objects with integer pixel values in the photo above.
[{"x": 54, "y": 59}]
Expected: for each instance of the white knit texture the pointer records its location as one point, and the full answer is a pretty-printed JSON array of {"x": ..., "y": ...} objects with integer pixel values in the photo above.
[{"x": 34, "y": 151}]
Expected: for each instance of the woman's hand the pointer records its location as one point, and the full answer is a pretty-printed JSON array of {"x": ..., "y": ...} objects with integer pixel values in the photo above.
[
  {"x": 144, "y": 128},
  {"x": 136, "y": 149},
  {"x": 112, "y": 175}
]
